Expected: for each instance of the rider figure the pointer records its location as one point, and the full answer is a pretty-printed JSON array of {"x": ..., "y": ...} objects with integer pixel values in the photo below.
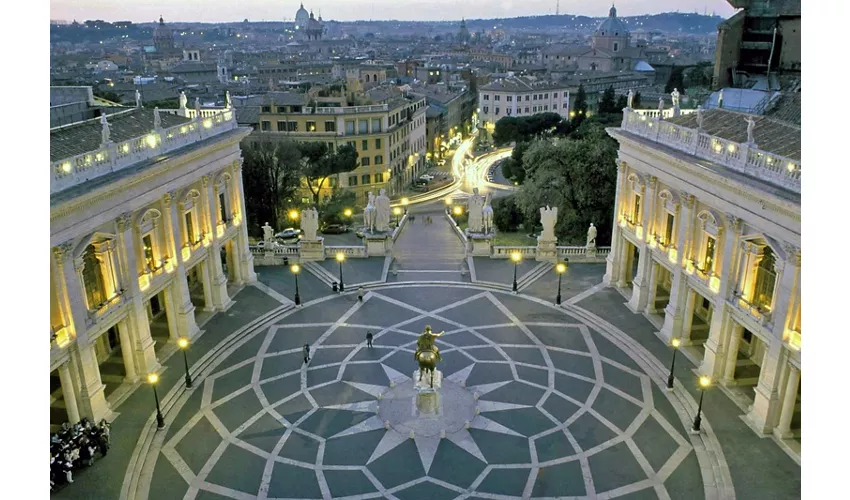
[{"x": 426, "y": 343}]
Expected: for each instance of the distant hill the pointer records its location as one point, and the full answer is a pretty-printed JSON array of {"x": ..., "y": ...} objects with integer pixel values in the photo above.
[{"x": 668, "y": 22}]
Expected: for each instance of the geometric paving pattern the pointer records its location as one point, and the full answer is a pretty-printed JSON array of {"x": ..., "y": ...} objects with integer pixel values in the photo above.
[{"x": 559, "y": 410}]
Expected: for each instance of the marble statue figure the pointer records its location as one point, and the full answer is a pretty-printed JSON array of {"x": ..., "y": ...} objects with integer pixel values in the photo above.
[
  {"x": 197, "y": 108},
  {"x": 183, "y": 100},
  {"x": 720, "y": 98},
  {"x": 699, "y": 117},
  {"x": 631, "y": 99},
  {"x": 138, "y": 99},
  {"x": 369, "y": 213},
  {"x": 591, "y": 236},
  {"x": 104, "y": 133},
  {"x": 660, "y": 106},
  {"x": 547, "y": 218},
  {"x": 487, "y": 215},
  {"x": 382, "y": 212},
  {"x": 268, "y": 234},
  {"x": 227, "y": 103},
  {"x": 476, "y": 207},
  {"x": 157, "y": 119},
  {"x": 309, "y": 224},
  {"x": 751, "y": 125},
  {"x": 675, "y": 97}
]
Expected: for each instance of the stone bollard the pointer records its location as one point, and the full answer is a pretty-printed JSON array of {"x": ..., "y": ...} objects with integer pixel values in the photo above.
[
  {"x": 377, "y": 408},
  {"x": 477, "y": 410},
  {"x": 380, "y": 397},
  {"x": 443, "y": 434},
  {"x": 411, "y": 433},
  {"x": 387, "y": 424},
  {"x": 392, "y": 384},
  {"x": 475, "y": 396},
  {"x": 466, "y": 425}
]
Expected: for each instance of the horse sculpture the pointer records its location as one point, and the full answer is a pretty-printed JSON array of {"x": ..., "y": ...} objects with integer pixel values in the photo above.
[{"x": 427, "y": 354}]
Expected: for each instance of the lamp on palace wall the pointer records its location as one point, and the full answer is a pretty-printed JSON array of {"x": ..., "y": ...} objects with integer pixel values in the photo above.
[
  {"x": 206, "y": 239},
  {"x": 220, "y": 229},
  {"x": 167, "y": 264},
  {"x": 653, "y": 241},
  {"x": 690, "y": 266},
  {"x": 144, "y": 281},
  {"x": 714, "y": 284},
  {"x": 187, "y": 252},
  {"x": 639, "y": 231},
  {"x": 672, "y": 254}
]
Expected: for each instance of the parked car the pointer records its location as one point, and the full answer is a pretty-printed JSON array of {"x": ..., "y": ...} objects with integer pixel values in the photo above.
[
  {"x": 421, "y": 189},
  {"x": 334, "y": 229},
  {"x": 427, "y": 177},
  {"x": 359, "y": 233},
  {"x": 288, "y": 234}
]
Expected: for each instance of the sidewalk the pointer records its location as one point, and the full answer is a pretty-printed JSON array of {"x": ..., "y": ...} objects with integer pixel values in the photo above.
[{"x": 104, "y": 478}]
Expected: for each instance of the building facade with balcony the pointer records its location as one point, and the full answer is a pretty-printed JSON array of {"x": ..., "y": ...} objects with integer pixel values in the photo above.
[
  {"x": 146, "y": 232},
  {"x": 389, "y": 138},
  {"x": 706, "y": 244},
  {"x": 521, "y": 96}
]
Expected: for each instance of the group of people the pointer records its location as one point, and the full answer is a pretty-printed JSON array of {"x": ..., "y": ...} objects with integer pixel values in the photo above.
[
  {"x": 306, "y": 348},
  {"x": 74, "y": 447},
  {"x": 428, "y": 219}
]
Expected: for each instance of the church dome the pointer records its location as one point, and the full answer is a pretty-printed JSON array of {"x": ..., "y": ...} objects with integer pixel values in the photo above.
[
  {"x": 611, "y": 26},
  {"x": 302, "y": 16}
]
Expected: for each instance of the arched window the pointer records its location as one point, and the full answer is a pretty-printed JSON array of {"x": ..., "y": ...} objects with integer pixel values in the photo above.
[
  {"x": 93, "y": 280},
  {"x": 765, "y": 280}
]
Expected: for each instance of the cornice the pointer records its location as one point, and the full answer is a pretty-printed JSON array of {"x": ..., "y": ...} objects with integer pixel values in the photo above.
[
  {"x": 689, "y": 169},
  {"x": 89, "y": 199}
]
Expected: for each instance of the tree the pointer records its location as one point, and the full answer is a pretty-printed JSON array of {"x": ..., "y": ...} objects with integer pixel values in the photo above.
[
  {"x": 578, "y": 175},
  {"x": 524, "y": 128},
  {"x": 579, "y": 107},
  {"x": 506, "y": 131},
  {"x": 636, "y": 101},
  {"x": 622, "y": 102},
  {"x": 333, "y": 210},
  {"x": 318, "y": 163},
  {"x": 108, "y": 95},
  {"x": 608, "y": 103},
  {"x": 676, "y": 80},
  {"x": 699, "y": 75},
  {"x": 270, "y": 178},
  {"x": 506, "y": 216}
]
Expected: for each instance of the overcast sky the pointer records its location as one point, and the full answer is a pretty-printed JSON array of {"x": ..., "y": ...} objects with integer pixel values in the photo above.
[{"x": 349, "y": 10}]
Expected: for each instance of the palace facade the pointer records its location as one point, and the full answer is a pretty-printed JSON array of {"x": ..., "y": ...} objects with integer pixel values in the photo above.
[
  {"x": 706, "y": 244},
  {"x": 147, "y": 239}
]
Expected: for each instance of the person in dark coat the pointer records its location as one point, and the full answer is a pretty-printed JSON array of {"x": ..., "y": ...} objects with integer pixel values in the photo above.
[
  {"x": 306, "y": 353},
  {"x": 369, "y": 339}
]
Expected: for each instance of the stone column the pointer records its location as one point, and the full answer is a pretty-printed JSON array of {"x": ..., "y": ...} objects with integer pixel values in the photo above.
[
  {"x": 92, "y": 400},
  {"x": 139, "y": 343},
  {"x": 652, "y": 292},
  {"x": 789, "y": 404},
  {"x": 218, "y": 281},
  {"x": 719, "y": 328},
  {"x": 640, "y": 284},
  {"x": 765, "y": 407},
  {"x": 183, "y": 310},
  {"x": 245, "y": 260},
  {"x": 170, "y": 313},
  {"x": 127, "y": 351},
  {"x": 614, "y": 261},
  {"x": 69, "y": 395},
  {"x": 736, "y": 332},
  {"x": 674, "y": 312},
  {"x": 206, "y": 281},
  {"x": 71, "y": 292},
  {"x": 690, "y": 306}
]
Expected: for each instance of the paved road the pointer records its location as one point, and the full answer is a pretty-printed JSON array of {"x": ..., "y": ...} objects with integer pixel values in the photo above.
[{"x": 432, "y": 246}]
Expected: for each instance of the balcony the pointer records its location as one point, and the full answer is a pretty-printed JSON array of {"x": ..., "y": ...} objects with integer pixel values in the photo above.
[
  {"x": 79, "y": 169},
  {"x": 743, "y": 158},
  {"x": 107, "y": 308}
]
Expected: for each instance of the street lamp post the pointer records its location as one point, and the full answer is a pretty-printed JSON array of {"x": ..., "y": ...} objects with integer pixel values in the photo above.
[
  {"x": 561, "y": 267},
  {"x": 516, "y": 257},
  {"x": 404, "y": 203},
  {"x": 675, "y": 343},
  {"x": 448, "y": 204},
  {"x": 293, "y": 214},
  {"x": 183, "y": 343},
  {"x": 397, "y": 213},
  {"x": 457, "y": 211},
  {"x": 340, "y": 257},
  {"x": 153, "y": 378},
  {"x": 704, "y": 383},
  {"x": 295, "y": 268}
]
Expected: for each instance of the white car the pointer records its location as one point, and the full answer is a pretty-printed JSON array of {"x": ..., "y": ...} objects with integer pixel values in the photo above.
[
  {"x": 288, "y": 234},
  {"x": 427, "y": 177}
]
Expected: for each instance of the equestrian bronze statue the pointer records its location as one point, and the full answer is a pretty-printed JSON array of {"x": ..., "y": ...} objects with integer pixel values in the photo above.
[{"x": 427, "y": 354}]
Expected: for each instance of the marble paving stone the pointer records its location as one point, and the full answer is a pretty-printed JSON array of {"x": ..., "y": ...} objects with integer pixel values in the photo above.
[
  {"x": 318, "y": 376},
  {"x": 346, "y": 335},
  {"x": 654, "y": 442},
  {"x": 274, "y": 366},
  {"x": 462, "y": 339},
  {"x": 264, "y": 433},
  {"x": 526, "y": 421},
  {"x": 501, "y": 449},
  {"x": 487, "y": 373},
  {"x": 573, "y": 363},
  {"x": 530, "y": 355},
  {"x": 352, "y": 450},
  {"x": 239, "y": 409},
  {"x": 247, "y": 351},
  {"x": 453, "y": 362},
  {"x": 453, "y": 465},
  {"x": 590, "y": 432},
  {"x": 686, "y": 480},
  {"x": 625, "y": 381},
  {"x": 398, "y": 466},
  {"x": 231, "y": 382},
  {"x": 189, "y": 409},
  {"x": 289, "y": 481},
  {"x": 294, "y": 407},
  {"x": 339, "y": 393},
  {"x": 553, "y": 446},
  {"x": 169, "y": 483},
  {"x": 348, "y": 482},
  {"x": 380, "y": 312},
  {"x": 326, "y": 355},
  {"x": 614, "y": 467},
  {"x": 429, "y": 301},
  {"x": 532, "y": 311},
  {"x": 394, "y": 339},
  {"x": 516, "y": 392},
  {"x": 295, "y": 338},
  {"x": 565, "y": 337},
  {"x": 505, "y": 481},
  {"x": 238, "y": 469},
  {"x": 559, "y": 407},
  {"x": 537, "y": 376},
  {"x": 326, "y": 423},
  {"x": 506, "y": 335},
  {"x": 607, "y": 349},
  {"x": 647, "y": 493},
  {"x": 663, "y": 406},
  {"x": 204, "y": 495},
  {"x": 562, "y": 480},
  {"x": 615, "y": 409},
  {"x": 365, "y": 374},
  {"x": 573, "y": 387},
  {"x": 426, "y": 490},
  {"x": 437, "y": 326},
  {"x": 300, "y": 447},
  {"x": 485, "y": 354},
  {"x": 478, "y": 312},
  {"x": 279, "y": 389},
  {"x": 401, "y": 361}
]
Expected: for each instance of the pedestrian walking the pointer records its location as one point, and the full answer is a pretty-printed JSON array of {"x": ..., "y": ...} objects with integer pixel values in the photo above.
[
  {"x": 360, "y": 294},
  {"x": 369, "y": 339},
  {"x": 306, "y": 353}
]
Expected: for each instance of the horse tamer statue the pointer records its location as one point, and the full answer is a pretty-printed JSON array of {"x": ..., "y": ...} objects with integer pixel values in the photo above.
[{"x": 427, "y": 354}]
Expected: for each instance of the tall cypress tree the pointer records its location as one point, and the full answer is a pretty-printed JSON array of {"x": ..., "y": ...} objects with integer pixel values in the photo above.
[{"x": 580, "y": 106}]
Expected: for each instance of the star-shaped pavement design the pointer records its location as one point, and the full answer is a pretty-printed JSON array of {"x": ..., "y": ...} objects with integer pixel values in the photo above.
[{"x": 528, "y": 408}]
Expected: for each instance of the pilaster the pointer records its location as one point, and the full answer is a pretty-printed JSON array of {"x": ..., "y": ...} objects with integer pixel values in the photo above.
[
  {"x": 789, "y": 403},
  {"x": 69, "y": 394},
  {"x": 674, "y": 312},
  {"x": 245, "y": 259},
  {"x": 91, "y": 398},
  {"x": 183, "y": 309},
  {"x": 640, "y": 284},
  {"x": 613, "y": 263},
  {"x": 218, "y": 284}
]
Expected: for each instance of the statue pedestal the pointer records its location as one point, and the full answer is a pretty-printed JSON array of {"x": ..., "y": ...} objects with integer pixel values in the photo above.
[
  {"x": 479, "y": 244},
  {"x": 424, "y": 385},
  {"x": 311, "y": 251},
  {"x": 378, "y": 244},
  {"x": 590, "y": 252},
  {"x": 547, "y": 249}
]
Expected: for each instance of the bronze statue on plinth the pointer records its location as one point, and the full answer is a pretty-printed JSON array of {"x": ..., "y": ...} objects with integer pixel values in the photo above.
[{"x": 427, "y": 354}]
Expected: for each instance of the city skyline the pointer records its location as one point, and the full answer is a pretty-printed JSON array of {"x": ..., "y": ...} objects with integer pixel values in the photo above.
[{"x": 365, "y": 10}]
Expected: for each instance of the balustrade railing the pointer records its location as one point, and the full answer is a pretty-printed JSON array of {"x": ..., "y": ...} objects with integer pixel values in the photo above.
[
  {"x": 507, "y": 251},
  {"x": 348, "y": 251},
  {"x": 741, "y": 157},
  {"x": 113, "y": 157}
]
